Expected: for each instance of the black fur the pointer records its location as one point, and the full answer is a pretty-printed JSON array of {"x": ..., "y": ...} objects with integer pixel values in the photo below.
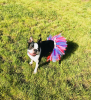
[
  {"x": 30, "y": 45},
  {"x": 46, "y": 47}
]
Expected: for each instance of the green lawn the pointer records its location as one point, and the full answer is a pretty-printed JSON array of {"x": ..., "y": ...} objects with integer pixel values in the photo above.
[{"x": 69, "y": 80}]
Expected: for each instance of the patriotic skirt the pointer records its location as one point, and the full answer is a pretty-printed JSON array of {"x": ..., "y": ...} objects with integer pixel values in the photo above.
[{"x": 60, "y": 45}]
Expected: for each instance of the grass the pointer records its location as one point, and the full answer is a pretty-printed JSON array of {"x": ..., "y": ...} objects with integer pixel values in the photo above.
[{"x": 69, "y": 80}]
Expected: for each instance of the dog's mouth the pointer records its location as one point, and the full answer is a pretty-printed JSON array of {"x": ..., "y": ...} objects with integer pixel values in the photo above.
[{"x": 32, "y": 54}]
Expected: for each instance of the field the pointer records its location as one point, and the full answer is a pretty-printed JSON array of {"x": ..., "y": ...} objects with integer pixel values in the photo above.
[{"x": 68, "y": 80}]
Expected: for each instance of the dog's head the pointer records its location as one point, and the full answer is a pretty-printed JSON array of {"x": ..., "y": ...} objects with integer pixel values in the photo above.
[{"x": 33, "y": 47}]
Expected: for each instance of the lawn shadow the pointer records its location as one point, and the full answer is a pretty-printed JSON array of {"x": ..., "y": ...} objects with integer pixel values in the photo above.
[
  {"x": 71, "y": 48},
  {"x": 44, "y": 63}
]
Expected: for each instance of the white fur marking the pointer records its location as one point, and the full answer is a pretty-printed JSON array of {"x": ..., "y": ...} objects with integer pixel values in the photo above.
[{"x": 34, "y": 58}]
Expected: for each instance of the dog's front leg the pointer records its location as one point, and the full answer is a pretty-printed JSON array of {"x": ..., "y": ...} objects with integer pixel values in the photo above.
[
  {"x": 35, "y": 70},
  {"x": 31, "y": 62}
]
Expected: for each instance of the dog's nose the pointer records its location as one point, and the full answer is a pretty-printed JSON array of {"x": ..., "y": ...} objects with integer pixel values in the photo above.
[{"x": 35, "y": 50}]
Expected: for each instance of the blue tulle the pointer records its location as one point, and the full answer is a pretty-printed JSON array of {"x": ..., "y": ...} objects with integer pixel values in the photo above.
[{"x": 59, "y": 48}]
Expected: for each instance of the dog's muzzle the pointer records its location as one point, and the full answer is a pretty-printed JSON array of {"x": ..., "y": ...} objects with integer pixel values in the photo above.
[{"x": 36, "y": 52}]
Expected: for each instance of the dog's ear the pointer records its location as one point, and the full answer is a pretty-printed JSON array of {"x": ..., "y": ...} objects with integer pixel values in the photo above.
[
  {"x": 39, "y": 40},
  {"x": 30, "y": 40}
]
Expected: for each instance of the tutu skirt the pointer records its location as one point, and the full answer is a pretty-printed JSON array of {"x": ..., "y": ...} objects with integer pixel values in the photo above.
[{"x": 60, "y": 45}]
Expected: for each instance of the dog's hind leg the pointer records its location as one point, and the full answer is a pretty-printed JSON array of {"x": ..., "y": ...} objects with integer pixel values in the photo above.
[{"x": 35, "y": 70}]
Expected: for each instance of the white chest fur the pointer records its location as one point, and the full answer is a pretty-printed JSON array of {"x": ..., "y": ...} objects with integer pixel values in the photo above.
[{"x": 34, "y": 58}]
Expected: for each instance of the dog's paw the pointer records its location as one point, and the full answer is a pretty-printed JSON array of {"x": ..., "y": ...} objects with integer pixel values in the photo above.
[
  {"x": 34, "y": 72},
  {"x": 30, "y": 63}
]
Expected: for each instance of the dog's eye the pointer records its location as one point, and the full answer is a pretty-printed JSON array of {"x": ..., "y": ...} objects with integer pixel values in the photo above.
[{"x": 31, "y": 45}]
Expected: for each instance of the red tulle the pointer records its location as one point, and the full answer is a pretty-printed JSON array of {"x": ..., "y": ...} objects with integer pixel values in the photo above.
[{"x": 60, "y": 45}]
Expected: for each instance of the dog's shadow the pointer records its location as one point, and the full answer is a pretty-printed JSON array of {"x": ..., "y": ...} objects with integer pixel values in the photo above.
[{"x": 71, "y": 48}]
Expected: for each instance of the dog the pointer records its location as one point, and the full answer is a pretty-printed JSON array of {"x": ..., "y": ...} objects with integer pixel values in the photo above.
[{"x": 36, "y": 50}]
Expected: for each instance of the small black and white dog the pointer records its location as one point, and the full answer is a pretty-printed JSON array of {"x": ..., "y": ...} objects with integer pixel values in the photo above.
[{"x": 37, "y": 50}]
